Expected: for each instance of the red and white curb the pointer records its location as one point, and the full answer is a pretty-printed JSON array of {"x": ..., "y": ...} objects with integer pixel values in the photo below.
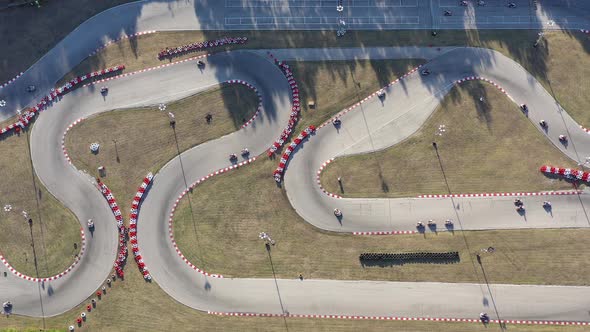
[
  {"x": 385, "y": 233},
  {"x": 253, "y": 88},
  {"x": 319, "y": 172},
  {"x": 11, "y": 80},
  {"x": 147, "y": 69},
  {"x": 55, "y": 277},
  {"x": 186, "y": 191},
  {"x": 479, "y": 78},
  {"x": 396, "y": 318},
  {"x": 63, "y": 140},
  {"x": 545, "y": 193},
  {"x": 121, "y": 38},
  {"x": 374, "y": 94}
]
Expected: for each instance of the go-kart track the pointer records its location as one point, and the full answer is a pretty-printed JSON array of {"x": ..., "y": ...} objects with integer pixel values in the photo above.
[{"x": 375, "y": 124}]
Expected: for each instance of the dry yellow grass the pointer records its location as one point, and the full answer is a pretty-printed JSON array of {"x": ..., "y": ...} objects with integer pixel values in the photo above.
[
  {"x": 227, "y": 227},
  {"x": 55, "y": 229},
  {"x": 232, "y": 244},
  {"x": 136, "y": 153},
  {"x": 481, "y": 151}
]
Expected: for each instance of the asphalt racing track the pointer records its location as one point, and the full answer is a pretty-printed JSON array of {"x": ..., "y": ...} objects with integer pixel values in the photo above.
[{"x": 371, "y": 126}]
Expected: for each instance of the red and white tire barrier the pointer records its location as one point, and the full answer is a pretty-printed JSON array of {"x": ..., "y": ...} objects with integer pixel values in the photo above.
[
  {"x": 193, "y": 47},
  {"x": 121, "y": 38},
  {"x": 278, "y": 173},
  {"x": 186, "y": 191},
  {"x": 11, "y": 80},
  {"x": 568, "y": 173},
  {"x": 385, "y": 233},
  {"x": 55, "y": 277},
  {"x": 544, "y": 193},
  {"x": 319, "y": 182},
  {"x": 253, "y": 88},
  {"x": 122, "y": 256},
  {"x": 395, "y": 318},
  {"x": 374, "y": 94},
  {"x": 25, "y": 118},
  {"x": 295, "y": 109},
  {"x": 133, "y": 225},
  {"x": 63, "y": 139}
]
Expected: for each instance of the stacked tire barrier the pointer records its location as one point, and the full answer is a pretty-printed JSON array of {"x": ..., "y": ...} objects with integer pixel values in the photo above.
[
  {"x": 278, "y": 173},
  {"x": 411, "y": 257},
  {"x": 122, "y": 256},
  {"x": 568, "y": 173},
  {"x": 133, "y": 225},
  {"x": 25, "y": 117},
  {"x": 193, "y": 47},
  {"x": 295, "y": 109}
]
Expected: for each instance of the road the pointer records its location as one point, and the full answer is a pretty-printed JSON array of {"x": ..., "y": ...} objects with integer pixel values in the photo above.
[
  {"x": 174, "y": 15},
  {"x": 375, "y": 126},
  {"x": 330, "y": 297}
]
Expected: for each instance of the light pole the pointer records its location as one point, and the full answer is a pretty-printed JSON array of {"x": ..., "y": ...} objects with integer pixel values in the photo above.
[
  {"x": 341, "y": 23},
  {"x": 266, "y": 238},
  {"x": 116, "y": 151},
  {"x": 540, "y": 36}
]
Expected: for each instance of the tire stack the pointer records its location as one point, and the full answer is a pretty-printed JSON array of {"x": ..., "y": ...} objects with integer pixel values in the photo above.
[{"x": 410, "y": 257}]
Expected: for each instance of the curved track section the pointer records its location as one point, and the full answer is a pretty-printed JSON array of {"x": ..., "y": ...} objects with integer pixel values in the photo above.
[
  {"x": 370, "y": 128},
  {"x": 415, "y": 98},
  {"x": 407, "y": 106},
  {"x": 376, "y": 125},
  {"x": 69, "y": 185}
]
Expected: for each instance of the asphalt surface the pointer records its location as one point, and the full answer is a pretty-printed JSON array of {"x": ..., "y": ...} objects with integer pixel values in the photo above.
[
  {"x": 413, "y": 105},
  {"x": 375, "y": 126},
  {"x": 173, "y": 15}
]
